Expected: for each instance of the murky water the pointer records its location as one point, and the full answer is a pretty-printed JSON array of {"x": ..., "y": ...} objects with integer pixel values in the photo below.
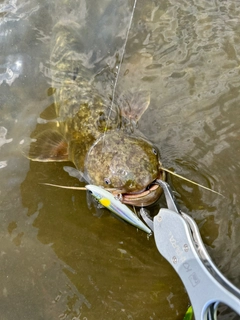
[{"x": 62, "y": 260}]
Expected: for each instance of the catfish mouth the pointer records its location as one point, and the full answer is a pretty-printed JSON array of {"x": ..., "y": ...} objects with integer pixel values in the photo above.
[{"x": 147, "y": 196}]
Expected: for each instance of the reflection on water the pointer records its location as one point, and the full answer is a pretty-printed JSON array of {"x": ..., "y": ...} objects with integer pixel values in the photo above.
[{"x": 59, "y": 259}]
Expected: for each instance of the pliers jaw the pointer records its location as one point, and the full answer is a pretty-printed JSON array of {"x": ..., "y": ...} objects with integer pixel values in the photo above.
[
  {"x": 170, "y": 198},
  {"x": 171, "y": 203}
]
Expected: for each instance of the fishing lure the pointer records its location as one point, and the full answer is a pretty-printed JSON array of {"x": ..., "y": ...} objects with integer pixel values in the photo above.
[{"x": 107, "y": 200}]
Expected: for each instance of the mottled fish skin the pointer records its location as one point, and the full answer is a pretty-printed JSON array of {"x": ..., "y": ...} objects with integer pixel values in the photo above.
[
  {"x": 71, "y": 72},
  {"x": 90, "y": 131},
  {"x": 83, "y": 114},
  {"x": 125, "y": 160}
]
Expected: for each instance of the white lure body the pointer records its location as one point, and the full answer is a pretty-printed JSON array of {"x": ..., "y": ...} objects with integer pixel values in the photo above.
[{"x": 106, "y": 199}]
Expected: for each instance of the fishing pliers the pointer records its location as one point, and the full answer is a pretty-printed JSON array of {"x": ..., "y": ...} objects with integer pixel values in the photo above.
[{"x": 179, "y": 241}]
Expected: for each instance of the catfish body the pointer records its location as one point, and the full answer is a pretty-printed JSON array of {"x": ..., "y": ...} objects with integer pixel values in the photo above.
[{"x": 90, "y": 130}]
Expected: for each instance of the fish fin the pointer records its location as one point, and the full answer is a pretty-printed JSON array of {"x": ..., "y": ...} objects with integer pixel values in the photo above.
[
  {"x": 49, "y": 146},
  {"x": 49, "y": 113},
  {"x": 73, "y": 172},
  {"x": 134, "y": 104}
]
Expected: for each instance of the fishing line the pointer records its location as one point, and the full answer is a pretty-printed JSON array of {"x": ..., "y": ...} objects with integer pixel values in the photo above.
[{"x": 121, "y": 61}]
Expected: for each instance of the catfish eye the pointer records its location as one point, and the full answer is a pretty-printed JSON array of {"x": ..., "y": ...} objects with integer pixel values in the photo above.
[
  {"x": 154, "y": 151},
  {"x": 107, "y": 180}
]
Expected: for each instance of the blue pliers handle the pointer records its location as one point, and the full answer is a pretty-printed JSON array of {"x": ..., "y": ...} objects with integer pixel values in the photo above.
[{"x": 178, "y": 240}]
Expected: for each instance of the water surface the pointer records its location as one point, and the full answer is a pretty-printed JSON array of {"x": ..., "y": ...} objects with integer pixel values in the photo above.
[{"x": 62, "y": 260}]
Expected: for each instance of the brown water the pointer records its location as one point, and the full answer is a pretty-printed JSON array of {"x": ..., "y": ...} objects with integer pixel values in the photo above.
[{"x": 62, "y": 260}]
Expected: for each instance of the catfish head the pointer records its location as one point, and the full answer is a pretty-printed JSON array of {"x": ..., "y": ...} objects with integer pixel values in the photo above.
[{"x": 127, "y": 164}]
